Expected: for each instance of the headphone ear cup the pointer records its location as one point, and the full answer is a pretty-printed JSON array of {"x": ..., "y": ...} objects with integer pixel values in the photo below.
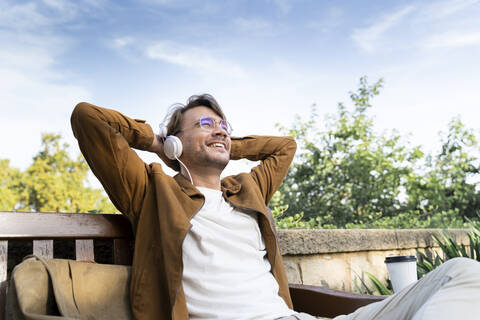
[{"x": 172, "y": 147}]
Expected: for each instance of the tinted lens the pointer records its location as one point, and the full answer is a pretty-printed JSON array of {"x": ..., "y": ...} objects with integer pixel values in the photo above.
[
  {"x": 207, "y": 123},
  {"x": 226, "y": 126}
]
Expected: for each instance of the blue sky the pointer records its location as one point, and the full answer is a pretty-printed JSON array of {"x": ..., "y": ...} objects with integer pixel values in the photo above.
[{"x": 264, "y": 61}]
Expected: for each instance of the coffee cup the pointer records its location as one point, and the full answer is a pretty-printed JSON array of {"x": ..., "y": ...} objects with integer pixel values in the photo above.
[{"x": 402, "y": 270}]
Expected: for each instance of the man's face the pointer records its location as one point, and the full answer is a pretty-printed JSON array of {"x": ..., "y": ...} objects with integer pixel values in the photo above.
[{"x": 206, "y": 147}]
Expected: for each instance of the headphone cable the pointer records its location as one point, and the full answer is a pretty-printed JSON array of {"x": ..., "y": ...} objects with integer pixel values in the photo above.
[{"x": 189, "y": 175}]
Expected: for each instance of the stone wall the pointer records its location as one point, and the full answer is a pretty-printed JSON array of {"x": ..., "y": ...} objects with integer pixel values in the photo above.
[{"x": 335, "y": 258}]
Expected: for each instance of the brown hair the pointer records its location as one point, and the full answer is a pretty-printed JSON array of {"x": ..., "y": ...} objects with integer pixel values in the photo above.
[{"x": 177, "y": 110}]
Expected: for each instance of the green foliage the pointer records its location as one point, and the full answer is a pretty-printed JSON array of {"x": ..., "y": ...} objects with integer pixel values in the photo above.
[
  {"x": 413, "y": 220},
  {"x": 54, "y": 182},
  {"x": 10, "y": 192},
  {"x": 292, "y": 222},
  {"x": 450, "y": 179},
  {"x": 379, "y": 288},
  {"x": 345, "y": 172},
  {"x": 450, "y": 249},
  {"x": 408, "y": 220},
  {"x": 347, "y": 176}
]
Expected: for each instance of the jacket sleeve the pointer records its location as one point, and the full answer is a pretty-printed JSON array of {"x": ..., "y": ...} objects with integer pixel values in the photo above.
[
  {"x": 106, "y": 138},
  {"x": 275, "y": 154}
]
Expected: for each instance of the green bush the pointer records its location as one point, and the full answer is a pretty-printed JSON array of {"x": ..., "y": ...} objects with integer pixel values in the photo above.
[
  {"x": 379, "y": 288},
  {"x": 408, "y": 220},
  {"x": 450, "y": 249}
]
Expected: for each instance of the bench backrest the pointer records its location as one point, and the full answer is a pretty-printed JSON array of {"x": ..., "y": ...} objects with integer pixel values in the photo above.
[{"x": 43, "y": 228}]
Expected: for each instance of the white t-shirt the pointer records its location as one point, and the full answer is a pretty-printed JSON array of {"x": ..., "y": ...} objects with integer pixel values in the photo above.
[{"x": 226, "y": 273}]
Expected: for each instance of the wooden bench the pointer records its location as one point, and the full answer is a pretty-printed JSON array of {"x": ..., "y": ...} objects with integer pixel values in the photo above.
[{"x": 44, "y": 228}]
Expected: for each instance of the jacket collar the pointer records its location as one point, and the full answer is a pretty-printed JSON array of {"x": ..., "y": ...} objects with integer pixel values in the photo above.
[
  {"x": 230, "y": 189},
  {"x": 187, "y": 187}
]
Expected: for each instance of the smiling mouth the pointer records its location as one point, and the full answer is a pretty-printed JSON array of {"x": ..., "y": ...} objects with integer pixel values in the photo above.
[{"x": 217, "y": 145}]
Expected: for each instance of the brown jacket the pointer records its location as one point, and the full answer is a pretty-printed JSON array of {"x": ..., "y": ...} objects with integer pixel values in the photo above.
[{"x": 160, "y": 207}]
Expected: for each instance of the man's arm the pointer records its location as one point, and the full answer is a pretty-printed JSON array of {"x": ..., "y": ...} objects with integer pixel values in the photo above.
[
  {"x": 275, "y": 154},
  {"x": 106, "y": 138}
]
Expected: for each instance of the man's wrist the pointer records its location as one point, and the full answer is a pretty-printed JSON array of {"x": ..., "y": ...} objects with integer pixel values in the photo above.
[{"x": 157, "y": 145}]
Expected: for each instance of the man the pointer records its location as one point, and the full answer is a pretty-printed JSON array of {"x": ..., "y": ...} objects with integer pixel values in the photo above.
[
  {"x": 202, "y": 250},
  {"x": 205, "y": 247}
]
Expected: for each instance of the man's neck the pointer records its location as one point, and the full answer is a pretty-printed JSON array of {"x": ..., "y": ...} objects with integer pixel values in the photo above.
[{"x": 204, "y": 178}]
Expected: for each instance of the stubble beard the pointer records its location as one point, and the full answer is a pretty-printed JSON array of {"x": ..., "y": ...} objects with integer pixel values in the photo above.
[
  {"x": 205, "y": 160},
  {"x": 210, "y": 162}
]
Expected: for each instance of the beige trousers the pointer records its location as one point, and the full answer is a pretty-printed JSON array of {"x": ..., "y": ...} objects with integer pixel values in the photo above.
[{"x": 451, "y": 291}]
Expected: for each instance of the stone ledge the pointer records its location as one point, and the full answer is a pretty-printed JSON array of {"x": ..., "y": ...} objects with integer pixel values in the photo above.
[{"x": 305, "y": 242}]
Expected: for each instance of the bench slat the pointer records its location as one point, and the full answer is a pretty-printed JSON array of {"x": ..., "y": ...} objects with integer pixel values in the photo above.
[
  {"x": 35, "y": 225},
  {"x": 43, "y": 248},
  {"x": 3, "y": 276},
  {"x": 84, "y": 250}
]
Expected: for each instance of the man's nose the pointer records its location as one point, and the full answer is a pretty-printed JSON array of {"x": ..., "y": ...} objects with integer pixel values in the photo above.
[{"x": 218, "y": 130}]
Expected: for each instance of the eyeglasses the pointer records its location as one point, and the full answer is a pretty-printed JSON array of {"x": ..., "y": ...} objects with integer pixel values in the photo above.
[{"x": 210, "y": 123}]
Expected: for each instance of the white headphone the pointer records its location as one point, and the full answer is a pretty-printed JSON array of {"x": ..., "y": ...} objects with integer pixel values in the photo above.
[{"x": 172, "y": 146}]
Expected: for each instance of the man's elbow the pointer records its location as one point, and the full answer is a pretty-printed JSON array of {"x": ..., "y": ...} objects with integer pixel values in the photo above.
[
  {"x": 292, "y": 144},
  {"x": 79, "y": 115},
  {"x": 80, "y": 110}
]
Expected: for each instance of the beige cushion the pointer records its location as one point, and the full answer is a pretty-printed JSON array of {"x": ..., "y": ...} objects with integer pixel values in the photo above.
[{"x": 66, "y": 289}]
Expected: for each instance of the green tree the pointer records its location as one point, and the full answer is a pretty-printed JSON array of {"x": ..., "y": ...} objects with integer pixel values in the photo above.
[
  {"x": 450, "y": 181},
  {"x": 346, "y": 173},
  {"x": 53, "y": 182},
  {"x": 10, "y": 193}
]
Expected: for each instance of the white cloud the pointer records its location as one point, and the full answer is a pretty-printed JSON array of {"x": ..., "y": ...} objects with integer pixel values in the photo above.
[
  {"x": 283, "y": 5},
  {"x": 454, "y": 39},
  {"x": 255, "y": 26},
  {"x": 196, "y": 7},
  {"x": 38, "y": 15},
  {"x": 456, "y": 24},
  {"x": 440, "y": 24},
  {"x": 121, "y": 42},
  {"x": 22, "y": 16},
  {"x": 65, "y": 9},
  {"x": 442, "y": 9},
  {"x": 194, "y": 58},
  {"x": 95, "y": 4},
  {"x": 370, "y": 37}
]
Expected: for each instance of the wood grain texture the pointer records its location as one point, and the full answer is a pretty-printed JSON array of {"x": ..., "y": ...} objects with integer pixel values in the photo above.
[
  {"x": 36, "y": 225},
  {"x": 43, "y": 248},
  {"x": 3, "y": 276},
  {"x": 84, "y": 250},
  {"x": 122, "y": 252}
]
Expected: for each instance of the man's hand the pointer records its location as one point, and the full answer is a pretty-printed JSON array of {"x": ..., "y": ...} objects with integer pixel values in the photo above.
[{"x": 157, "y": 147}]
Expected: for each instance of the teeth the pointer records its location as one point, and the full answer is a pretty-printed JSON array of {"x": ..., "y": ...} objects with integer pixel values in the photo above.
[{"x": 216, "y": 145}]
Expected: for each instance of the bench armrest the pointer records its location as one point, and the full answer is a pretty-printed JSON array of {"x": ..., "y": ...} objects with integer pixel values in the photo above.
[{"x": 325, "y": 302}]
